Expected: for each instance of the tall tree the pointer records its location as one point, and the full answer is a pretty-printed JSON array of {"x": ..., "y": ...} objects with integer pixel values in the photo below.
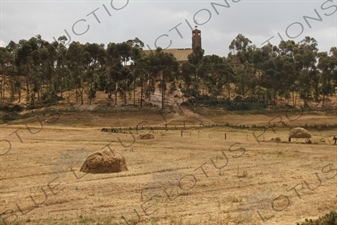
[
  {"x": 306, "y": 59},
  {"x": 94, "y": 61},
  {"x": 217, "y": 74},
  {"x": 242, "y": 64},
  {"x": 6, "y": 69},
  {"x": 326, "y": 66},
  {"x": 75, "y": 58},
  {"x": 164, "y": 67},
  {"x": 142, "y": 72},
  {"x": 192, "y": 72}
]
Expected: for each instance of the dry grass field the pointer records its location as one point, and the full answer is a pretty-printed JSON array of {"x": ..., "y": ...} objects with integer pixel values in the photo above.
[{"x": 186, "y": 175}]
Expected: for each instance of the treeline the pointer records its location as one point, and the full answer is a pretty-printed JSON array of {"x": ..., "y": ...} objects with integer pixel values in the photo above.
[{"x": 43, "y": 72}]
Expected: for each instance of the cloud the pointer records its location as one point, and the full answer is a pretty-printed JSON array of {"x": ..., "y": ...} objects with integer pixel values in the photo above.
[
  {"x": 2, "y": 43},
  {"x": 148, "y": 20}
]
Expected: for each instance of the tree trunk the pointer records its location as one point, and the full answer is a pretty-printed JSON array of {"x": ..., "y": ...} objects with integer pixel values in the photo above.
[
  {"x": 27, "y": 91},
  {"x": 134, "y": 92},
  {"x": 33, "y": 99},
  {"x": 116, "y": 96},
  {"x": 19, "y": 94},
  {"x": 141, "y": 93},
  {"x": 90, "y": 92},
  {"x": 3, "y": 87},
  {"x": 162, "y": 94},
  {"x": 229, "y": 90}
]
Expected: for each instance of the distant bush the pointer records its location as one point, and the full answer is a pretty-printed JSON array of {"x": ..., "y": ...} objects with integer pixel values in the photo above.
[
  {"x": 10, "y": 116},
  {"x": 12, "y": 108},
  {"x": 50, "y": 98},
  {"x": 236, "y": 104},
  {"x": 328, "y": 219}
]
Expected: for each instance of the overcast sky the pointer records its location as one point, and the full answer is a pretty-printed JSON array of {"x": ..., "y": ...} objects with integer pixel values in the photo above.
[{"x": 170, "y": 21}]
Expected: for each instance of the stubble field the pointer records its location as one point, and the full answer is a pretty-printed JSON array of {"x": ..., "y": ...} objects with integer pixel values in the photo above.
[{"x": 186, "y": 175}]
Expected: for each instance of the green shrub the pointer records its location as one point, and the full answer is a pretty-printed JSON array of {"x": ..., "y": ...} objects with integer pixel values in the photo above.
[
  {"x": 328, "y": 219},
  {"x": 10, "y": 116},
  {"x": 12, "y": 108}
]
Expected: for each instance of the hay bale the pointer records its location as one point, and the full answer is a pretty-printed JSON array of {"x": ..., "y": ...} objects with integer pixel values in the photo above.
[
  {"x": 146, "y": 136},
  {"x": 104, "y": 162},
  {"x": 299, "y": 132}
]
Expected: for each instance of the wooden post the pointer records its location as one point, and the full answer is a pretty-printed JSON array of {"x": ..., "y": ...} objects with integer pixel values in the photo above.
[{"x": 181, "y": 133}]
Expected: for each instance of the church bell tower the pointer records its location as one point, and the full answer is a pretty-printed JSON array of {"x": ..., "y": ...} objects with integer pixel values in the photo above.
[{"x": 196, "y": 38}]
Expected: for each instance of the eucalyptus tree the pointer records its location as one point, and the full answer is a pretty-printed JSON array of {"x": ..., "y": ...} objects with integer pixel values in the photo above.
[
  {"x": 39, "y": 55},
  {"x": 287, "y": 50},
  {"x": 125, "y": 83},
  {"x": 118, "y": 56},
  {"x": 136, "y": 54},
  {"x": 192, "y": 72},
  {"x": 306, "y": 59},
  {"x": 276, "y": 75},
  {"x": 142, "y": 72},
  {"x": 62, "y": 77},
  {"x": 12, "y": 70},
  {"x": 164, "y": 68},
  {"x": 333, "y": 52},
  {"x": 75, "y": 59},
  {"x": 49, "y": 73},
  {"x": 6, "y": 70},
  {"x": 188, "y": 76},
  {"x": 242, "y": 64},
  {"x": 217, "y": 74},
  {"x": 94, "y": 62},
  {"x": 27, "y": 61},
  {"x": 115, "y": 77},
  {"x": 326, "y": 66}
]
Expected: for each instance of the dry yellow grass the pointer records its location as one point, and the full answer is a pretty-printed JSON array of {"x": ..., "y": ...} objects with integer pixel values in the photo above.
[{"x": 194, "y": 177}]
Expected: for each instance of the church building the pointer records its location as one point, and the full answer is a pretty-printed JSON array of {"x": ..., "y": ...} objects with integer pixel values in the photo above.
[{"x": 181, "y": 54}]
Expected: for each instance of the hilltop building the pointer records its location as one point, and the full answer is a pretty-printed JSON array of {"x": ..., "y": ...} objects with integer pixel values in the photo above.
[{"x": 181, "y": 54}]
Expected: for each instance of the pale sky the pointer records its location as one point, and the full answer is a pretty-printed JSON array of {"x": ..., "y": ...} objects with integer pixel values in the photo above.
[{"x": 220, "y": 21}]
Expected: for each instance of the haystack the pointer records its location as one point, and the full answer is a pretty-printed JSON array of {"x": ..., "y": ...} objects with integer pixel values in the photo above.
[
  {"x": 299, "y": 132},
  {"x": 146, "y": 136},
  {"x": 104, "y": 162}
]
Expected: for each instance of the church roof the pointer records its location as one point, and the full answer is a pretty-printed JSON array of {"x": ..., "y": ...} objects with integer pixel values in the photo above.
[{"x": 181, "y": 54}]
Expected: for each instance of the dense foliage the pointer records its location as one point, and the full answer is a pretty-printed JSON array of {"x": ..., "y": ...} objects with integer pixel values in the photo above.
[{"x": 42, "y": 72}]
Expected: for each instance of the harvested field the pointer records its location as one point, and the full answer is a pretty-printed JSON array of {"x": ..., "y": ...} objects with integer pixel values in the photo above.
[{"x": 217, "y": 175}]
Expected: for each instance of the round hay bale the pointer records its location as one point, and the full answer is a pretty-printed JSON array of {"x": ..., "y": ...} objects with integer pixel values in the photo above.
[
  {"x": 146, "y": 136},
  {"x": 104, "y": 162},
  {"x": 299, "y": 132}
]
